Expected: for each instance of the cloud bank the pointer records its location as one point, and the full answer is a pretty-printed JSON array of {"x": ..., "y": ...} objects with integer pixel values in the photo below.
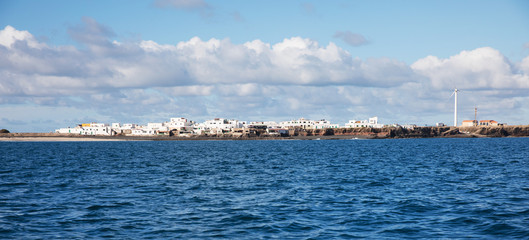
[{"x": 200, "y": 79}]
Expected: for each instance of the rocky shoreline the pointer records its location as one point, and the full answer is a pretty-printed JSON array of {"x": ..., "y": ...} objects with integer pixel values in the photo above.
[
  {"x": 420, "y": 132},
  {"x": 301, "y": 134}
]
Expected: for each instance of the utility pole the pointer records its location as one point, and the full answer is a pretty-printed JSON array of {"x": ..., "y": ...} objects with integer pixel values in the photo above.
[
  {"x": 475, "y": 116},
  {"x": 455, "y": 107}
]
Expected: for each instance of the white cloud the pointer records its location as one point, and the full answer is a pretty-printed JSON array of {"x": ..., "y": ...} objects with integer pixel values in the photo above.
[
  {"x": 524, "y": 65},
  {"x": 482, "y": 68},
  {"x": 196, "y": 90},
  {"x": 9, "y": 36}
]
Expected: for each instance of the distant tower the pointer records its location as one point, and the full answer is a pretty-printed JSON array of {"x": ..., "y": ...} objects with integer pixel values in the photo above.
[
  {"x": 455, "y": 106},
  {"x": 476, "y": 114}
]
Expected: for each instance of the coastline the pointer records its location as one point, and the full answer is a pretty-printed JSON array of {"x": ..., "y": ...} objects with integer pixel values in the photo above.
[
  {"x": 300, "y": 134},
  {"x": 36, "y": 137}
]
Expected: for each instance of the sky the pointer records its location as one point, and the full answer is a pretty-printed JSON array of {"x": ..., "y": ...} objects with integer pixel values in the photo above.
[{"x": 65, "y": 62}]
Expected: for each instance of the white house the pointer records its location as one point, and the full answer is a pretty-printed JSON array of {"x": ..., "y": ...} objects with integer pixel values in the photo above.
[
  {"x": 199, "y": 128},
  {"x": 123, "y": 129},
  {"x": 154, "y": 126},
  {"x": 74, "y": 130},
  {"x": 217, "y": 125},
  {"x": 266, "y": 124},
  {"x": 149, "y": 129},
  {"x": 143, "y": 132},
  {"x": 88, "y": 129},
  {"x": 300, "y": 123},
  {"x": 129, "y": 126},
  {"x": 308, "y": 124},
  {"x": 322, "y": 124},
  {"x": 181, "y": 124},
  {"x": 372, "y": 123}
]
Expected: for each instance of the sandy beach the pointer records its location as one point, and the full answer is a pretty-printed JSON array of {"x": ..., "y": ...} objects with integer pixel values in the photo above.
[{"x": 56, "y": 139}]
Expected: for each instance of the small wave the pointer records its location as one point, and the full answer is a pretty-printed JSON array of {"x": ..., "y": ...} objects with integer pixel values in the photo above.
[
  {"x": 241, "y": 219},
  {"x": 506, "y": 230},
  {"x": 116, "y": 205},
  {"x": 462, "y": 221},
  {"x": 517, "y": 199},
  {"x": 403, "y": 230},
  {"x": 413, "y": 206},
  {"x": 7, "y": 231},
  {"x": 5, "y": 171},
  {"x": 170, "y": 231},
  {"x": 266, "y": 228},
  {"x": 13, "y": 184},
  {"x": 298, "y": 227},
  {"x": 94, "y": 219},
  {"x": 106, "y": 229},
  {"x": 381, "y": 183},
  {"x": 129, "y": 227}
]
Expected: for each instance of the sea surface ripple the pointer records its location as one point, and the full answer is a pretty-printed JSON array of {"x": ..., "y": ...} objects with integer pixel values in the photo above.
[{"x": 329, "y": 189}]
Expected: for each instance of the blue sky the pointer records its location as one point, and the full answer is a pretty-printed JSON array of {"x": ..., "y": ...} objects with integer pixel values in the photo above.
[
  {"x": 405, "y": 30},
  {"x": 142, "y": 61}
]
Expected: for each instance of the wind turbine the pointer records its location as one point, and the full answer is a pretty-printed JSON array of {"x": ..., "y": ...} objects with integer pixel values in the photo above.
[{"x": 455, "y": 106}]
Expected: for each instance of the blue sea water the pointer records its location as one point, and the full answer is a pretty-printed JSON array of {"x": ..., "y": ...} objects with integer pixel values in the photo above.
[{"x": 329, "y": 189}]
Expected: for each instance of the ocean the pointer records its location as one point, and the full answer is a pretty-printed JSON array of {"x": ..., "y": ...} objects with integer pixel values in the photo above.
[{"x": 272, "y": 189}]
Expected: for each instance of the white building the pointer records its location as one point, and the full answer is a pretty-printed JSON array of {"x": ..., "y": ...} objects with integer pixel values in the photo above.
[
  {"x": 74, "y": 130},
  {"x": 154, "y": 125},
  {"x": 266, "y": 124},
  {"x": 372, "y": 123},
  {"x": 149, "y": 129},
  {"x": 217, "y": 126},
  {"x": 308, "y": 124},
  {"x": 300, "y": 123},
  {"x": 218, "y": 123},
  {"x": 123, "y": 129},
  {"x": 409, "y": 126},
  {"x": 181, "y": 124},
  {"x": 143, "y": 132},
  {"x": 88, "y": 129},
  {"x": 129, "y": 126},
  {"x": 322, "y": 124}
]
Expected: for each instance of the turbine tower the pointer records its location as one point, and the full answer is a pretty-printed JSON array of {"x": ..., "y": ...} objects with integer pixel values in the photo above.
[{"x": 455, "y": 106}]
